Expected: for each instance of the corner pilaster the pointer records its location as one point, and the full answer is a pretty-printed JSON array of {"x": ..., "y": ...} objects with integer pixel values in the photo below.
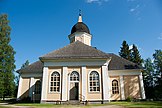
[
  {"x": 19, "y": 88},
  {"x": 122, "y": 88},
  {"x": 44, "y": 84},
  {"x": 106, "y": 86},
  {"x": 84, "y": 84},
  {"x": 64, "y": 83},
  {"x": 142, "y": 86}
]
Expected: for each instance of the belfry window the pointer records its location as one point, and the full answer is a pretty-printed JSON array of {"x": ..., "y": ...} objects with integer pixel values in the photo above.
[
  {"x": 74, "y": 76},
  {"x": 115, "y": 87},
  {"x": 55, "y": 82},
  {"x": 94, "y": 83}
]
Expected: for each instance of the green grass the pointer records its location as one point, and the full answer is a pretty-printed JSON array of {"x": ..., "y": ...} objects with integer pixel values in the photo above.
[
  {"x": 34, "y": 105},
  {"x": 125, "y": 104},
  {"x": 139, "y": 104}
]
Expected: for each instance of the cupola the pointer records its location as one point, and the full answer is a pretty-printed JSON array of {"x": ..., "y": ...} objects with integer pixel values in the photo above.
[{"x": 80, "y": 32}]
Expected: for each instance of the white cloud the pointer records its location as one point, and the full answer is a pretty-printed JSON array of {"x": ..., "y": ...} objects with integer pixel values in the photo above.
[
  {"x": 160, "y": 37},
  {"x": 91, "y": 1},
  {"x": 132, "y": 10},
  {"x": 96, "y": 1},
  {"x": 131, "y": 46},
  {"x": 135, "y": 9}
]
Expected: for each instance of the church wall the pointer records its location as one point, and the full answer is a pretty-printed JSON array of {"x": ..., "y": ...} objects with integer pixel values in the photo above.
[
  {"x": 131, "y": 86},
  {"x": 115, "y": 96},
  {"x": 92, "y": 96},
  {"x": 25, "y": 88},
  {"x": 54, "y": 96}
]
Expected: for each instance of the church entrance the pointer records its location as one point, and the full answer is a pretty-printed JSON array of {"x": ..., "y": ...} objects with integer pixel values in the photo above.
[
  {"x": 74, "y": 86},
  {"x": 74, "y": 91}
]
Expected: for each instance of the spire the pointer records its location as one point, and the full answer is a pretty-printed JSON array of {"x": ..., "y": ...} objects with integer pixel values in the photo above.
[{"x": 80, "y": 16}]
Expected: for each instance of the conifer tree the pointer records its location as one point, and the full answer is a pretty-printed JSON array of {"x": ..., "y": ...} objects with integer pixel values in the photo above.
[
  {"x": 148, "y": 78},
  {"x": 7, "y": 60},
  {"x": 135, "y": 56},
  {"x": 124, "y": 51},
  {"x": 158, "y": 71},
  {"x": 25, "y": 64}
]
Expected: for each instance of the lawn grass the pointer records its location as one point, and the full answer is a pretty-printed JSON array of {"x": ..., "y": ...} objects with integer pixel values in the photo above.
[
  {"x": 145, "y": 104},
  {"x": 153, "y": 104},
  {"x": 35, "y": 105}
]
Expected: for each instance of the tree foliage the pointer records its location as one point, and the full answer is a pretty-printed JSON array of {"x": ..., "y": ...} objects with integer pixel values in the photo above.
[
  {"x": 6, "y": 59},
  {"x": 135, "y": 56},
  {"x": 158, "y": 72},
  {"x": 130, "y": 54},
  {"x": 148, "y": 78},
  {"x": 153, "y": 76},
  {"x": 124, "y": 51},
  {"x": 25, "y": 64}
]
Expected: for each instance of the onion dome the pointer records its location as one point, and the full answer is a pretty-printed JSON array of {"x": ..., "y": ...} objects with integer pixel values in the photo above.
[{"x": 80, "y": 26}]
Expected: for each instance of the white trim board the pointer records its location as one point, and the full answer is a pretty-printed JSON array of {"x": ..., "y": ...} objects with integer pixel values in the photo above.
[
  {"x": 76, "y": 63},
  {"x": 124, "y": 72}
]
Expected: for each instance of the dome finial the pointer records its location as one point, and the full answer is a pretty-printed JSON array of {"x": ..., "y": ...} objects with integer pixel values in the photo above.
[{"x": 80, "y": 16}]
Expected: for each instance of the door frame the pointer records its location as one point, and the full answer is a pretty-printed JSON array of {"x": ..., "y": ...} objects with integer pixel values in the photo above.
[{"x": 73, "y": 82}]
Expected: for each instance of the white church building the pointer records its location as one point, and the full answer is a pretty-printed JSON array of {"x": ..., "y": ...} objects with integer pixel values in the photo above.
[{"x": 80, "y": 72}]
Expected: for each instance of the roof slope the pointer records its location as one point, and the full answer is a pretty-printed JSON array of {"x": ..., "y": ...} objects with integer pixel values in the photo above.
[
  {"x": 80, "y": 50},
  {"x": 116, "y": 63},
  {"x": 76, "y": 50},
  {"x": 34, "y": 67},
  {"x": 119, "y": 63}
]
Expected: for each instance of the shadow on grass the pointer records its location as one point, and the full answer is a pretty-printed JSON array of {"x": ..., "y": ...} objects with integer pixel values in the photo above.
[{"x": 144, "y": 104}]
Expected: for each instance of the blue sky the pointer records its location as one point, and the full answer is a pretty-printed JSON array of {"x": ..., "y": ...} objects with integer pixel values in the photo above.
[{"x": 40, "y": 26}]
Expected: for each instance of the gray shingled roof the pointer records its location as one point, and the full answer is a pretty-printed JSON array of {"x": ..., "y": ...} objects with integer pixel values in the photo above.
[
  {"x": 34, "y": 67},
  {"x": 75, "y": 50},
  {"x": 80, "y": 50},
  {"x": 119, "y": 63}
]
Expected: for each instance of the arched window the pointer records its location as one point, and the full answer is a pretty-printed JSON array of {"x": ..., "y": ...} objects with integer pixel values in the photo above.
[
  {"x": 74, "y": 76},
  {"x": 55, "y": 82},
  {"x": 115, "y": 87},
  {"x": 37, "y": 87},
  {"x": 94, "y": 82}
]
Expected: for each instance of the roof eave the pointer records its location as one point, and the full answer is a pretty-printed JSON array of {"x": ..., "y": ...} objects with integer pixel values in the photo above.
[{"x": 71, "y": 58}]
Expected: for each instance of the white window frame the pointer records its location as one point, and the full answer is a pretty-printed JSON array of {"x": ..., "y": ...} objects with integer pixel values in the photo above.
[
  {"x": 114, "y": 86},
  {"x": 50, "y": 82},
  {"x": 78, "y": 76},
  {"x": 89, "y": 82}
]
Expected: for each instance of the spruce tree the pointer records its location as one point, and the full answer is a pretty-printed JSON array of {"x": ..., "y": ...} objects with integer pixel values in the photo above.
[
  {"x": 135, "y": 56},
  {"x": 7, "y": 60},
  {"x": 124, "y": 51},
  {"x": 158, "y": 62},
  {"x": 158, "y": 72},
  {"x": 148, "y": 78},
  {"x": 25, "y": 64}
]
